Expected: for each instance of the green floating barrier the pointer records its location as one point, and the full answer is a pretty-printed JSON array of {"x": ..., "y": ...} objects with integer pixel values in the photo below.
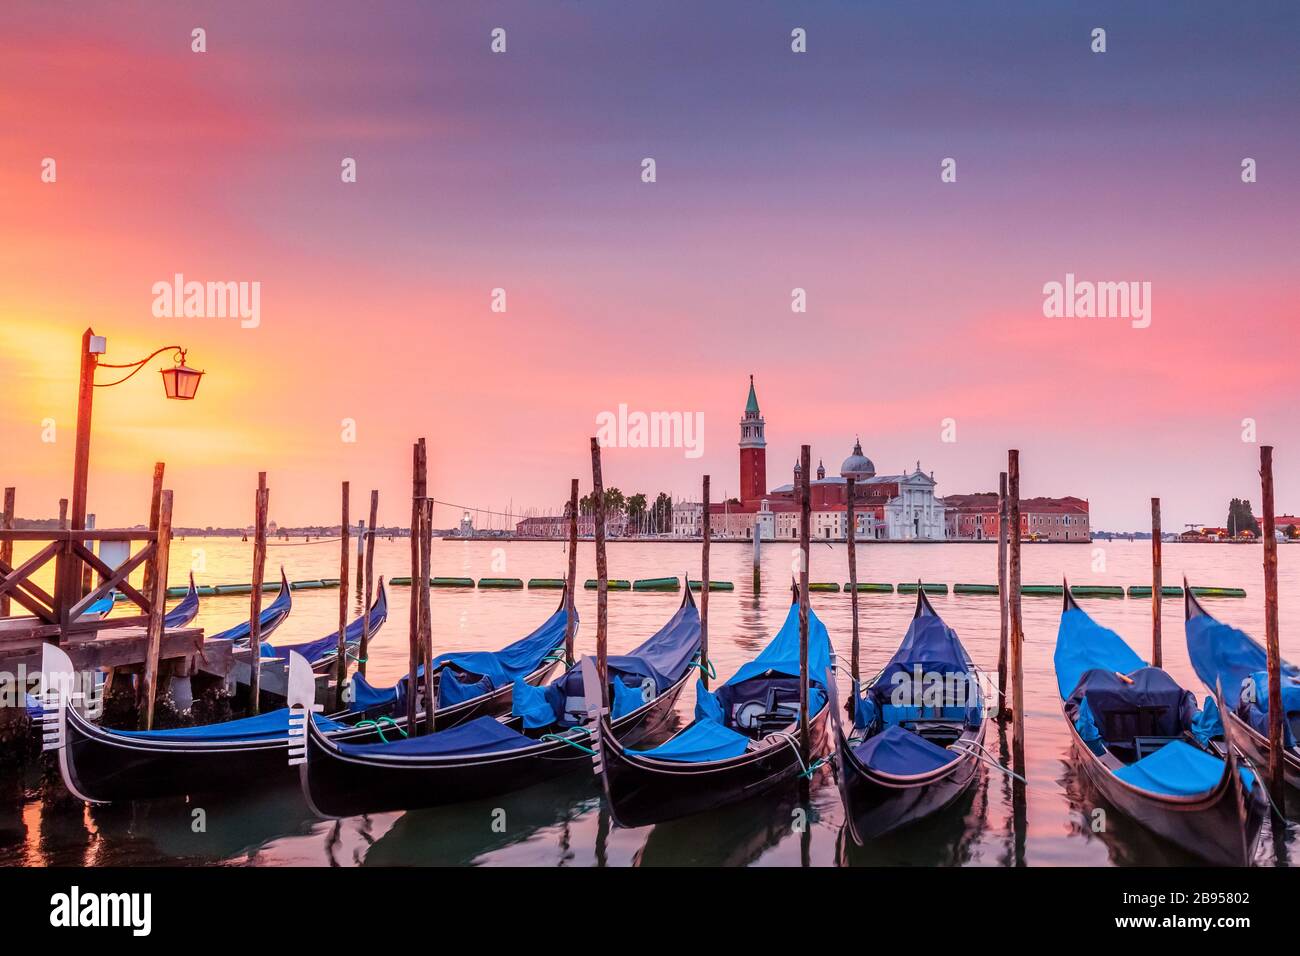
[
  {"x": 823, "y": 586},
  {"x": 451, "y": 582},
  {"x": 501, "y": 583},
  {"x": 1042, "y": 590},
  {"x": 1097, "y": 590},
  {"x": 405, "y": 580},
  {"x": 613, "y": 584},
  {"x": 552, "y": 583},
  {"x": 1219, "y": 592},
  {"x": 713, "y": 585},
  {"x": 871, "y": 588},
  {"x": 656, "y": 584},
  {"x": 974, "y": 589},
  {"x": 330, "y": 582},
  {"x": 306, "y": 585},
  {"x": 1144, "y": 590},
  {"x": 234, "y": 589},
  {"x": 205, "y": 590},
  {"x": 171, "y": 592},
  {"x": 119, "y": 596},
  {"x": 270, "y": 586},
  {"x": 906, "y": 588}
]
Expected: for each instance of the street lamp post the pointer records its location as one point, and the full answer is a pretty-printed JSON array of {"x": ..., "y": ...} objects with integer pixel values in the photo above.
[{"x": 180, "y": 382}]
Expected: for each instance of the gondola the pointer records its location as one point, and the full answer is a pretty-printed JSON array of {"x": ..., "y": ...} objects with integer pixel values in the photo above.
[
  {"x": 100, "y": 765},
  {"x": 917, "y": 731},
  {"x": 323, "y": 653},
  {"x": 272, "y": 616},
  {"x": 743, "y": 742},
  {"x": 543, "y": 738},
  {"x": 1223, "y": 655},
  {"x": 185, "y": 611},
  {"x": 1140, "y": 738}
]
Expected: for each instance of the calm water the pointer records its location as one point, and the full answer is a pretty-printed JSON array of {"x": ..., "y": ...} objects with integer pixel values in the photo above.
[{"x": 564, "y": 824}]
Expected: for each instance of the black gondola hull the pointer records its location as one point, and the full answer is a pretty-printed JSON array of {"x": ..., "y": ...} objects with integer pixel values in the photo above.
[
  {"x": 339, "y": 785},
  {"x": 1255, "y": 746},
  {"x": 101, "y": 766},
  {"x": 1207, "y": 826},
  {"x": 641, "y": 792},
  {"x": 876, "y": 804}
]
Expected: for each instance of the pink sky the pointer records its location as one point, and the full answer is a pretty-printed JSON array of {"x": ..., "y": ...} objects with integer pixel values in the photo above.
[{"x": 522, "y": 171}]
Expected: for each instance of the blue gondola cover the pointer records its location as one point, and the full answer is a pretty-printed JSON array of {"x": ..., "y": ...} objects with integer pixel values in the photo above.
[
  {"x": 479, "y": 736},
  {"x": 1083, "y": 645},
  {"x": 1177, "y": 769},
  {"x": 1220, "y": 652},
  {"x": 782, "y": 654},
  {"x": 1208, "y": 723},
  {"x": 702, "y": 741},
  {"x": 902, "y": 753},
  {"x": 272, "y": 725}
]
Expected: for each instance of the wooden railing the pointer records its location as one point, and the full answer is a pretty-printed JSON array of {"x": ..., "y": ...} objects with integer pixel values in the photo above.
[{"x": 58, "y": 614}]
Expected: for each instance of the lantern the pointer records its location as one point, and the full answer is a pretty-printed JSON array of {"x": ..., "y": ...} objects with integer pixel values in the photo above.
[{"x": 181, "y": 381}]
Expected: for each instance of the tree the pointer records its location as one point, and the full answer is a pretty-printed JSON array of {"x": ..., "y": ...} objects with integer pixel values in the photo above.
[
  {"x": 1241, "y": 517},
  {"x": 636, "y": 507},
  {"x": 663, "y": 513},
  {"x": 615, "y": 503}
]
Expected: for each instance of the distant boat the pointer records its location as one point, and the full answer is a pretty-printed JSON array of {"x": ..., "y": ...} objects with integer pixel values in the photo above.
[
  {"x": 904, "y": 763},
  {"x": 1224, "y": 656},
  {"x": 1142, "y": 742},
  {"x": 272, "y": 616}
]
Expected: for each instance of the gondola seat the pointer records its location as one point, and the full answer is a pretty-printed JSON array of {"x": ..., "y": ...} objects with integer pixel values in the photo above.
[{"x": 1146, "y": 706}]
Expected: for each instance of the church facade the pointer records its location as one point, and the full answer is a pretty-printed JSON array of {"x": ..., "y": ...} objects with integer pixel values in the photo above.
[{"x": 900, "y": 507}]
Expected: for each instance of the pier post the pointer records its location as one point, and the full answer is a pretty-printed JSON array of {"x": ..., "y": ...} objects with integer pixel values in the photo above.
[
  {"x": 758, "y": 558},
  {"x": 1004, "y": 708},
  {"x": 7, "y": 546},
  {"x": 370, "y": 583},
  {"x": 602, "y": 576},
  {"x": 71, "y": 576},
  {"x": 426, "y": 573},
  {"x": 1276, "y": 773},
  {"x": 1017, "y": 623},
  {"x": 852, "y": 538},
  {"x": 341, "y": 666},
  {"x": 413, "y": 635},
  {"x": 1157, "y": 656},
  {"x": 157, "y": 608},
  {"x": 805, "y": 520},
  {"x": 570, "y": 599},
  {"x": 155, "y": 500},
  {"x": 261, "y": 505},
  {"x": 704, "y": 590}
]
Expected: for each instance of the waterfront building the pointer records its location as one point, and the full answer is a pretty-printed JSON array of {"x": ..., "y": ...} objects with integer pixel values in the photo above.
[
  {"x": 557, "y": 526},
  {"x": 975, "y": 518},
  {"x": 898, "y": 507}
]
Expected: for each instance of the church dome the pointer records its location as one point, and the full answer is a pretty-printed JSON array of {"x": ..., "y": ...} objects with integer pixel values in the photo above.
[{"x": 857, "y": 466}]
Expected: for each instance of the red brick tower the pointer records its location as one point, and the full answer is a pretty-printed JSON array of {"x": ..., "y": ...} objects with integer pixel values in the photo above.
[{"x": 753, "y": 452}]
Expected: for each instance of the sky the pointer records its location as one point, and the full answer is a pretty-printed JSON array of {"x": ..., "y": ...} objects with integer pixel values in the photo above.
[{"x": 775, "y": 170}]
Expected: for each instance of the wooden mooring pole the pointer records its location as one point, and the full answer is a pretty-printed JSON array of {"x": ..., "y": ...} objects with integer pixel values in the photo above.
[
  {"x": 602, "y": 576},
  {"x": 805, "y": 521},
  {"x": 341, "y": 665},
  {"x": 852, "y": 539},
  {"x": 413, "y": 640},
  {"x": 704, "y": 589},
  {"x": 157, "y": 609},
  {"x": 7, "y": 546},
  {"x": 155, "y": 502},
  {"x": 1017, "y": 624},
  {"x": 426, "y": 621},
  {"x": 1276, "y": 772},
  {"x": 571, "y": 582},
  {"x": 370, "y": 583},
  {"x": 1157, "y": 656},
  {"x": 261, "y": 504},
  {"x": 1004, "y": 707}
]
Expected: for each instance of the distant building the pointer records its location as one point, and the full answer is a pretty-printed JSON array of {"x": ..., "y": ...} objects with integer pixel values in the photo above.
[
  {"x": 975, "y": 518},
  {"x": 466, "y": 528},
  {"x": 557, "y": 526},
  {"x": 887, "y": 507}
]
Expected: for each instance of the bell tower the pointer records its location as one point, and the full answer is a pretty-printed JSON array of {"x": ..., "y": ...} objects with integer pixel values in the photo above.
[{"x": 753, "y": 451}]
